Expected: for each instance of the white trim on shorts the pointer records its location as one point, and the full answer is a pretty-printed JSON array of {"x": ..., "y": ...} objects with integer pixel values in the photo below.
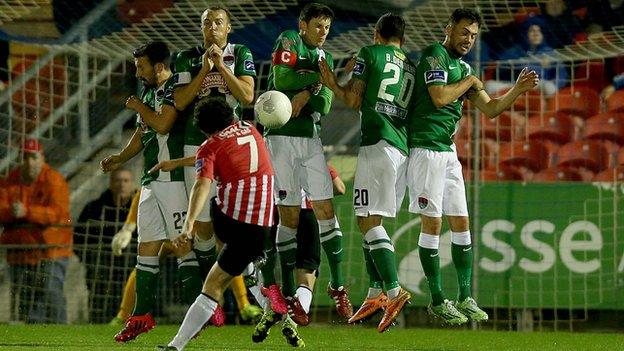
[
  {"x": 379, "y": 183},
  {"x": 436, "y": 184},
  {"x": 299, "y": 163}
]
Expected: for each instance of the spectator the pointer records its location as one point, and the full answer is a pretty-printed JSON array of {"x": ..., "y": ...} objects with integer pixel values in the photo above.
[
  {"x": 561, "y": 25},
  {"x": 34, "y": 211},
  {"x": 539, "y": 58},
  {"x": 97, "y": 224}
]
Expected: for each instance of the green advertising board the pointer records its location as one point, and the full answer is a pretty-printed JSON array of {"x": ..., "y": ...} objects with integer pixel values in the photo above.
[{"x": 538, "y": 246}]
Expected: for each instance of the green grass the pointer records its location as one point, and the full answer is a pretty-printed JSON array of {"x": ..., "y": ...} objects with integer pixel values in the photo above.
[{"x": 317, "y": 337}]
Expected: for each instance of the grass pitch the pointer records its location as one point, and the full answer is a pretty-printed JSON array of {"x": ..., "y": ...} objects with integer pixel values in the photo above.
[{"x": 316, "y": 337}]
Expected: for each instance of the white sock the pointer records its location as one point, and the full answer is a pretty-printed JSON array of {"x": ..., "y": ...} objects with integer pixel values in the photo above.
[
  {"x": 373, "y": 292},
  {"x": 203, "y": 245},
  {"x": 197, "y": 315},
  {"x": 305, "y": 297},
  {"x": 461, "y": 238},
  {"x": 429, "y": 241},
  {"x": 392, "y": 293}
]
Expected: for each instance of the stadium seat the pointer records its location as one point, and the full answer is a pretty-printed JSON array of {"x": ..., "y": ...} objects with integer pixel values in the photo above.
[
  {"x": 530, "y": 102},
  {"x": 611, "y": 175},
  {"x": 501, "y": 174},
  {"x": 557, "y": 127},
  {"x": 138, "y": 10},
  {"x": 532, "y": 155},
  {"x": 590, "y": 74},
  {"x": 615, "y": 103},
  {"x": 605, "y": 126},
  {"x": 619, "y": 160},
  {"x": 581, "y": 101},
  {"x": 465, "y": 153},
  {"x": 590, "y": 154},
  {"x": 557, "y": 174},
  {"x": 502, "y": 128}
]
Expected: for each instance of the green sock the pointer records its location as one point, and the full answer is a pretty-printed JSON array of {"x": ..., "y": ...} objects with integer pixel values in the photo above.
[
  {"x": 430, "y": 260},
  {"x": 287, "y": 247},
  {"x": 190, "y": 277},
  {"x": 146, "y": 284},
  {"x": 333, "y": 251},
  {"x": 374, "y": 279},
  {"x": 382, "y": 253},
  {"x": 268, "y": 269},
  {"x": 462, "y": 259},
  {"x": 206, "y": 259}
]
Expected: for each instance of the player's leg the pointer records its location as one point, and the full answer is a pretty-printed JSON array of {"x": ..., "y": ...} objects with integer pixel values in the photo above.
[
  {"x": 243, "y": 245},
  {"x": 379, "y": 188},
  {"x": 456, "y": 211},
  {"x": 204, "y": 242},
  {"x": 426, "y": 171},
  {"x": 318, "y": 186}
]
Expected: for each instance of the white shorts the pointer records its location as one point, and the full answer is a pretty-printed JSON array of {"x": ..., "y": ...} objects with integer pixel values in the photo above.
[
  {"x": 299, "y": 163},
  {"x": 379, "y": 184},
  {"x": 190, "y": 174},
  {"x": 436, "y": 184},
  {"x": 162, "y": 209}
]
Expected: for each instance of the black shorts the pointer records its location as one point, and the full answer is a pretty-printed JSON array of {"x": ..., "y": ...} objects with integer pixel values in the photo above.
[{"x": 243, "y": 242}]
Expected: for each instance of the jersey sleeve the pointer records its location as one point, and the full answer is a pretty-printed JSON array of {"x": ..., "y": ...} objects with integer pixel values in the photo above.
[
  {"x": 182, "y": 67},
  {"x": 362, "y": 64},
  {"x": 435, "y": 66},
  {"x": 205, "y": 162},
  {"x": 285, "y": 49},
  {"x": 168, "y": 93},
  {"x": 244, "y": 62}
]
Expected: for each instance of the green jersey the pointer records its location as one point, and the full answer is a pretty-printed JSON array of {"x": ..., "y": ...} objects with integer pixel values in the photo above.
[
  {"x": 294, "y": 68},
  {"x": 159, "y": 147},
  {"x": 389, "y": 77},
  {"x": 430, "y": 127},
  {"x": 187, "y": 65}
]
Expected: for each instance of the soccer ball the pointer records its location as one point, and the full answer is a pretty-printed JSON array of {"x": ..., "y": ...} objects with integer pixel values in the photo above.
[{"x": 273, "y": 109}]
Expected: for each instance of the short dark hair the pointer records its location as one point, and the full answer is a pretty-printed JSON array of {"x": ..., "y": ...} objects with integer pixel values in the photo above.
[
  {"x": 213, "y": 115},
  {"x": 465, "y": 13},
  {"x": 156, "y": 52},
  {"x": 314, "y": 10},
  {"x": 222, "y": 8},
  {"x": 390, "y": 26}
]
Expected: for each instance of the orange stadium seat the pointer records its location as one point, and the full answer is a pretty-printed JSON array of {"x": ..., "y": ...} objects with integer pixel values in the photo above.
[
  {"x": 605, "y": 126},
  {"x": 532, "y": 155},
  {"x": 557, "y": 127},
  {"x": 590, "y": 74},
  {"x": 611, "y": 175},
  {"x": 465, "y": 153},
  {"x": 590, "y": 154},
  {"x": 557, "y": 174},
  {"x": 500, "y": 174},
  {"x": 581, "y": 101},
  {"x": 502, "y": 128},
  {"x": 615, "y": 103},
  {"x": 619, "y": 160}
]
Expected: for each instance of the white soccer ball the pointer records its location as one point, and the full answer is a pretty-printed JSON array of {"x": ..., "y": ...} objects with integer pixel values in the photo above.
[{"x": 273, "y": 109}]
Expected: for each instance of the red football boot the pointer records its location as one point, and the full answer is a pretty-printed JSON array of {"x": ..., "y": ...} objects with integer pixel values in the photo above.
[{"x": 135, "y": 326}]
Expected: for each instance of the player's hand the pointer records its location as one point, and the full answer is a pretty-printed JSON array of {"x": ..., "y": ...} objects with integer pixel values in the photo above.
[
  {"x": 133, "y": 103},
  {"x": 477, "y": 84},
  {"x": 299, "y": 101},
  {"x": 18, "y": 210},
  {"x": 216, "y": 54},
  {"x": 165, "y": 166},
  {"x": 181, "y": 246},
  {"x": 328, "y": 78},
  {"x": 122, "y": 238},
  {"x": 350, "y": 65},
  {"x": 187, "y": 230},
  {"x": 110, "y": 163},
  {"x": 207, "y": 62},
  {"x": 526, "y": 80}
]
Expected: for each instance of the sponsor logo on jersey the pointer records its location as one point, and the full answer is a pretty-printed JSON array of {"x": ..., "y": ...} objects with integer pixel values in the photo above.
[
  {"x": 359, "y": 67},
  {"x": 199, "y": 164},
  {"x": 390, "y": 110},
  {"x": 435, "y": 76},
  {"x": 422, "y": 202},
  {"x": 228, "y": 60},
  {"x": 213, "y": 80},
  {"x": 249, "y": 66},
  {"x": 434, "y": 62}
]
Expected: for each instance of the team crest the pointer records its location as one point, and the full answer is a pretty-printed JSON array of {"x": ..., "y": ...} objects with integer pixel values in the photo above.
[
  {"x": 422, "y": 202},
  {"x": 434, "y": 62},
  {"x": 228, "y": 60},
  {"x": 282, "y": 194},
  {"x": 287, "y": 43}
]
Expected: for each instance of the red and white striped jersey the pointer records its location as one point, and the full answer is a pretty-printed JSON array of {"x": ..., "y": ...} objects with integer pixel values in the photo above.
[{"x": 238, "y": 159}]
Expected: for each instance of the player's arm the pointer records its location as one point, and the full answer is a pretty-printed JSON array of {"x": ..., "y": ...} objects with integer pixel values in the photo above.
[
  {"x": 442, "y": 95},
  {"x": 186, "y": 88},
  {"x": 160, "y": 121},
  {"x": 170, "y": 165},
  {"x": 351, "y": 94},
  {"x": 124, "y": 235},
  {"x": 131, "y": 149},
  {"x": 241, "y": 81},
  {"x": 493, "y": 107},
  {"x": 321, "y": 102},
  {"x": 339, "y": 185},
  {"x": 199, "y": 195}
]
